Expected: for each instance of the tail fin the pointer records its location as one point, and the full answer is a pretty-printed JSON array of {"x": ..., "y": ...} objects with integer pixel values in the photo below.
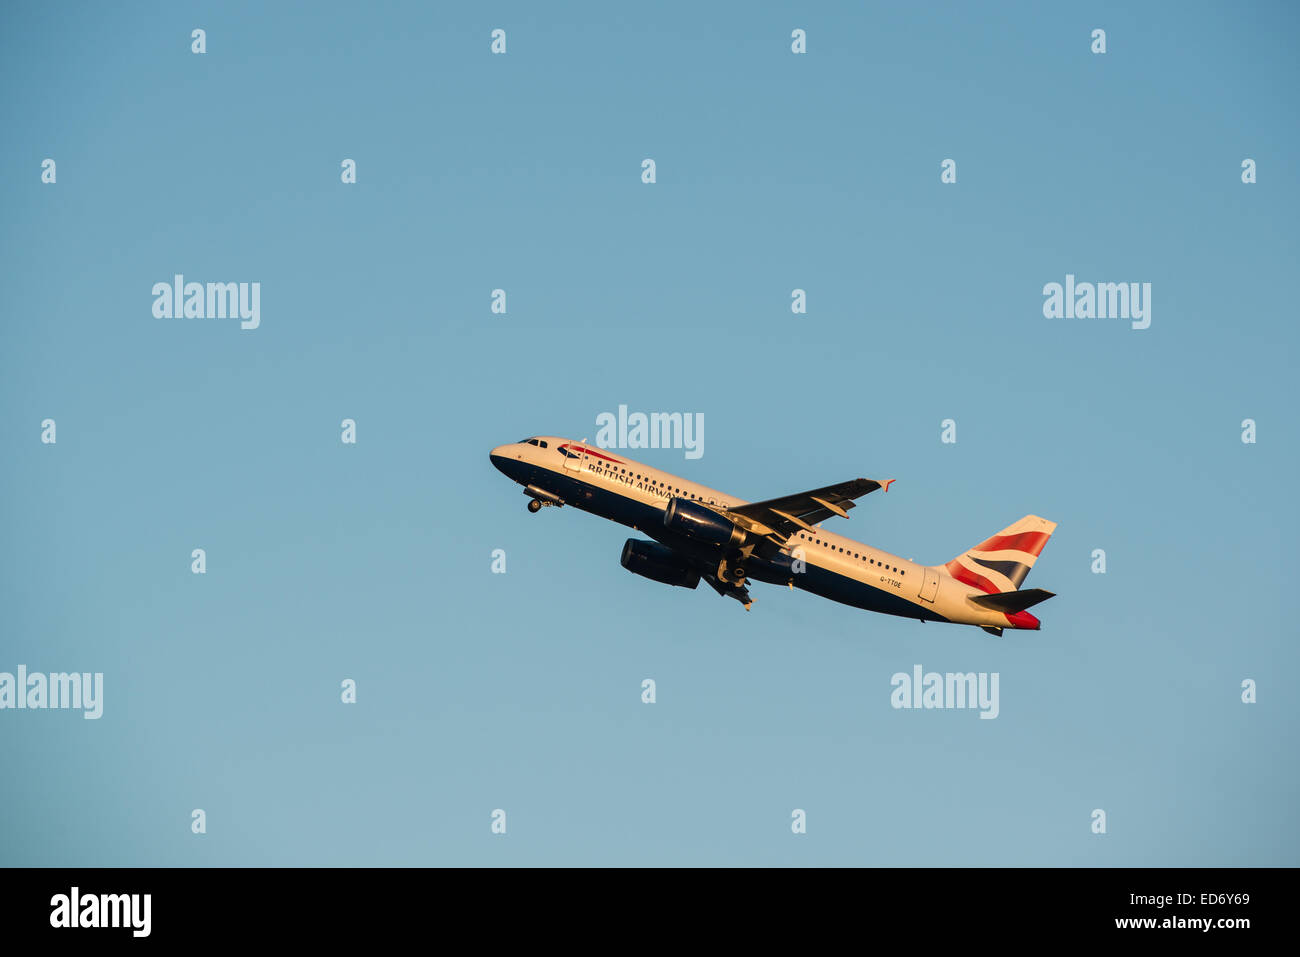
[{"x": 1000, "y": 563}]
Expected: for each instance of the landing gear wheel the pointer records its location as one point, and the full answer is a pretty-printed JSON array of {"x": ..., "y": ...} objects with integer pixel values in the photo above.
[
  {"x": 534, "y": 505},
  {"x": 738, "y": 574}
]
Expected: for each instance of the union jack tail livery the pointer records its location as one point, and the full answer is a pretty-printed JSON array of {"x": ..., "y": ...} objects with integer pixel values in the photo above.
[{"x": 1000, "y": 563}]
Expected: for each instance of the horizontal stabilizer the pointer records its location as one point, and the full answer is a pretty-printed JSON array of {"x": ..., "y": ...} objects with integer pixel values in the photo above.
[{"x": 1010, "y": 602}]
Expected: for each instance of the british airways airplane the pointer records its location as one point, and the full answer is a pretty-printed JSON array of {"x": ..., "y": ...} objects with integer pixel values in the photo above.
[{"x": 700, "y": 532}]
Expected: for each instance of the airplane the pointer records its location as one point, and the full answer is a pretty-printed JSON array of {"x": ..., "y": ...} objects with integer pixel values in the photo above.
[{"x": 701, "y": 533}]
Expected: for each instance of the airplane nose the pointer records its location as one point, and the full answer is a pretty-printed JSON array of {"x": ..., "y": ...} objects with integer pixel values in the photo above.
[{"x": 498, "y": 456}]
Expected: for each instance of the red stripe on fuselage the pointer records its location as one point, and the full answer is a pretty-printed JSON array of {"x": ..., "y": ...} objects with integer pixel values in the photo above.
[{"x": 594, "y": 454}]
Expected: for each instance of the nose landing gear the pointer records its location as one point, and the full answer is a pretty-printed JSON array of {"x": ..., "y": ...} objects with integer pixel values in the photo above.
[{"x": 537, "y": 497}]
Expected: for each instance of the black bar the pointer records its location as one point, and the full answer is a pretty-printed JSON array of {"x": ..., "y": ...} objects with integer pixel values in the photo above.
[{"x": 654, "y": 906}]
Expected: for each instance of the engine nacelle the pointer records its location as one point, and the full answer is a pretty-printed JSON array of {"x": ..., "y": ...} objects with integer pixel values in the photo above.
[
  {"x": 702, "y": 524},
  {"x": 658, "y": 563}
]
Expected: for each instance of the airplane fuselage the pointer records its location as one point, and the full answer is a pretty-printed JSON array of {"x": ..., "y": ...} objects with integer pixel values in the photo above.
[{"x": 557, "y": 471}]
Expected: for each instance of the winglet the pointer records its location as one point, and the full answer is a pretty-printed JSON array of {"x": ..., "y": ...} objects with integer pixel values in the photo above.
[{"x": 885, "y": 484}]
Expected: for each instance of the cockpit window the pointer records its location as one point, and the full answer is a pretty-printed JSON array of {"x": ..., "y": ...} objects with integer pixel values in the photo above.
[
  {"x": 542, "y": 444},
  {"x": 532, "y": 442}
]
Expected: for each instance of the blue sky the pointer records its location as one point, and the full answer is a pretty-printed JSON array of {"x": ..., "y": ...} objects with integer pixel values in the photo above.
[{"x": 774, "y": 171}]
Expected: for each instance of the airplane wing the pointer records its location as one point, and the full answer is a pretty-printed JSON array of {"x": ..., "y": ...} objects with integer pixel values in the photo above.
[{"x": 779, "y": 518}]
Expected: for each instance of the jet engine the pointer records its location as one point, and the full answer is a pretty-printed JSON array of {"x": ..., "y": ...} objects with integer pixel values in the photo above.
[
  {"x": 702, "y": 524},
  {"x": 658, "y": 563}
]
